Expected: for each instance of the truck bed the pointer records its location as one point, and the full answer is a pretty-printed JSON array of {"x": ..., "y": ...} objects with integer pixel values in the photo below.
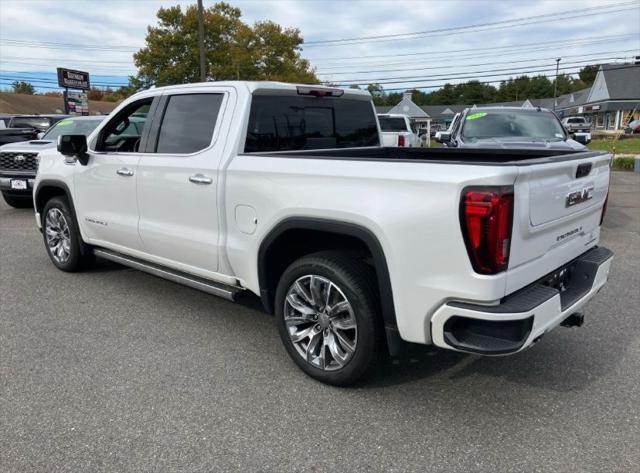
[{"x": 441, "y": 155}]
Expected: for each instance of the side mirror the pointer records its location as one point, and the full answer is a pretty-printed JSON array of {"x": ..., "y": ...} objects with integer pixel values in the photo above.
[
  {"x": 74, "y": 146},
  {"x": 443, "y": 137},
  {"x": 582, "y": 138}
]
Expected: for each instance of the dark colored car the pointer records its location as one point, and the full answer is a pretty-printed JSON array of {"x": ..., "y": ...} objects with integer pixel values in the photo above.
[
  {"x": 37, "y": 122},
  {"x": 511, "y": 128},
  {"x": 19, "y": 161}
]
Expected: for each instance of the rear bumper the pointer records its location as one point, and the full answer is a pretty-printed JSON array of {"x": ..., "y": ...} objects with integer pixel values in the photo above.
[{"x": 520, "y": 319}]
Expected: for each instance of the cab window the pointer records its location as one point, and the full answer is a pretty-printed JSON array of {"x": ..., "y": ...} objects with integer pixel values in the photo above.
[{"x": 124, "y": 132}]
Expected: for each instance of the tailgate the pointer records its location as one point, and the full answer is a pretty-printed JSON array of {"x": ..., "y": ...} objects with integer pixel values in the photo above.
[{"x": 557, "y": 210}]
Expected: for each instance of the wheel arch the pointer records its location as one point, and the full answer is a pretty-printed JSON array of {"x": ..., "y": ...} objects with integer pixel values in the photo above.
[
  {"x": 49, "y": 188},
  {"x": 345, "y": 232}
]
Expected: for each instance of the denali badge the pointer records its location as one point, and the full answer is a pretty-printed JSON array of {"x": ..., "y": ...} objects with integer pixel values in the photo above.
[
  {"x": 577, "y": 197},
  {"x": 19, "y": 159}
]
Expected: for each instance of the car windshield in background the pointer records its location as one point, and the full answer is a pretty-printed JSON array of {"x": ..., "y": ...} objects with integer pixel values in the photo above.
[
  {"x": 512, "y": 125},
  {"x": 70, "y": 126},
  {"x": 392, "y": 124},
  {"x": 30, "y": 122},
  {"x": 298, "y": 123}
]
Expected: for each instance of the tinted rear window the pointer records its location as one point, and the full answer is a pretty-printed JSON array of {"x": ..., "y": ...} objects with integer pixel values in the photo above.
[
  {"x": 392, "y": 124},
  {"x": 285, "y": 123},
  {"x": 31, "y": 122},
  {"x": 188, "y": 123}
]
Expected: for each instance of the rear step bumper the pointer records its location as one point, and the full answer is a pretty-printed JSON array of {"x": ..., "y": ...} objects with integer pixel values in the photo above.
[{"x": 520, "y": 319}]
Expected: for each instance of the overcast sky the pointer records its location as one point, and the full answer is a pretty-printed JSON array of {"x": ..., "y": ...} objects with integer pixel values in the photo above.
[{"x": 121, "y": 25}]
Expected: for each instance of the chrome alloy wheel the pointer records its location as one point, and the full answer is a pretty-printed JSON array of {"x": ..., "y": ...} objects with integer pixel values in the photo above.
[
  {"x": 320, "y": 322},
  {"x": 57, "y": 235}
]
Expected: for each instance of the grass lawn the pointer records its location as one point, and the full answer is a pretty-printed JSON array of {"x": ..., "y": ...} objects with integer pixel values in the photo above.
[{"x": 626, "y": 146}]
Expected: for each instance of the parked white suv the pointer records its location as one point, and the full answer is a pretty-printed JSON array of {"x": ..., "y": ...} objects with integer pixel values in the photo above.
[{"x": 284, "y": 191}]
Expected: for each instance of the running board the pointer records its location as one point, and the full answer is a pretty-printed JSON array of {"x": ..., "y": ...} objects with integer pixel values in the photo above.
[{"x": 194, "y": 282}]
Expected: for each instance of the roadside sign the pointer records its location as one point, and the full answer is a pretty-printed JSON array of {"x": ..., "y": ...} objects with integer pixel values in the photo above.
[
  {"x": 71, "y": 79},
  {"x": 76, "y": 102}
]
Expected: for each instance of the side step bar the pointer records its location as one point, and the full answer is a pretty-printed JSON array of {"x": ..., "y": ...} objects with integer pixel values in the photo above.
[{"x": 194, "y": 282}]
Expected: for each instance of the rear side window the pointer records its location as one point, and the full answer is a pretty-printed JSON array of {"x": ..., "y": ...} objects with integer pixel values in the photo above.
[
  {"x": 188, "y": 123},
  {"x": 287, "y": 123}
]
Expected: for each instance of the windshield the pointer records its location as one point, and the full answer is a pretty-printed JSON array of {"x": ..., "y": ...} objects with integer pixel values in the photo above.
[
  {"x": 70, "y": 126},
  {"x": 392, "y": 124},
  {"x": 512, "y": 125}
]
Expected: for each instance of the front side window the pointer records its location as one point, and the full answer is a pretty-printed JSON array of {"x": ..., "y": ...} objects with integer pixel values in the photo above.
[
  {"x": 392, "y": 124},
  {"x": 124, "y": 132},
  {"x": 509, "y": 124},
  {"x": 287, "y": 123},
  {"x": 188, "y": 123}
]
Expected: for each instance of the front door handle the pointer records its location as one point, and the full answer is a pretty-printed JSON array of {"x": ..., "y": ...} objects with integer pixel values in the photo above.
[
  {"x": 124, "y": 172},
  {"x": 200, "y": 179}
]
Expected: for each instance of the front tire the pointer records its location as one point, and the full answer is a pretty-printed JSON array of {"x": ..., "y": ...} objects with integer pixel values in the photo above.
[
  {"x": 328, "y": 317},
  {"x": 18, "y": 201},
  {"x": 62, "y": 238}
]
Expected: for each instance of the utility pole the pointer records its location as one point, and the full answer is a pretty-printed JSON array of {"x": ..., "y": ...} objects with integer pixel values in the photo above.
[
  {"x": 203, "y": 75},
  {"x": 555, "y": 83}
]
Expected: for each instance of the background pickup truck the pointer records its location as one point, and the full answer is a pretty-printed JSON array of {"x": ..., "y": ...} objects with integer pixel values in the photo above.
[
  {"x": 397, "y": 130},
  {"x": 283, "y": 191}
]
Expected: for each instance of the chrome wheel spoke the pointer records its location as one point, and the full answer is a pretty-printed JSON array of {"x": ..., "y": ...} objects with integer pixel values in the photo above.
[
  {"x": 339, "y": 308},
  {"x": 320, "y": 322},
  {"x": 300, "y": 306},
  {"x": 344, "y": 342},
  {"x": 298, "y": 336},
  {"x": 316, "y": 292},
  {"x": 341, "y": 356}
]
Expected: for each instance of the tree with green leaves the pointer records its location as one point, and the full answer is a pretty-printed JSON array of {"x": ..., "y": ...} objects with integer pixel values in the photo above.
[
  {"x": 22, "y": 87},
  {"x": 233, "y": 49}
]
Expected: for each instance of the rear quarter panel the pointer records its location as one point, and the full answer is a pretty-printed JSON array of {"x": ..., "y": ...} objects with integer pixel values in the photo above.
[{"x": 411, "y": 208}]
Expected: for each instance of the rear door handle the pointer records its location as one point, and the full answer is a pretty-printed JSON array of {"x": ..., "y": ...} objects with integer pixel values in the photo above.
[
  {"x": 124, "y": 172},
  {"x": 200, "y": 179}
]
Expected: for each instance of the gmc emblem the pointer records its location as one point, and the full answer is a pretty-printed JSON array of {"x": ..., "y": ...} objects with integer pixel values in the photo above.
[{"x": 578, "y": 197}]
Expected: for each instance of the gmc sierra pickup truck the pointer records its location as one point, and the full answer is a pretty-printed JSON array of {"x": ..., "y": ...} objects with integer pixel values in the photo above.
[{"x": 283, "y": 191}]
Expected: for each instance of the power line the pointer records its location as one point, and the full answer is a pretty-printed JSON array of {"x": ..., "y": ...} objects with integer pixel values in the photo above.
[
  {"x": 589, "y": 39},
  {"x": 472, "y": 28},
  {"x": 497, "y": 81},
  {"x": 54, "y": 81},
  {"x": 489, "y": 63},
  {"x": 473, "y": 76},
  {"x": 474, "y": 53}
]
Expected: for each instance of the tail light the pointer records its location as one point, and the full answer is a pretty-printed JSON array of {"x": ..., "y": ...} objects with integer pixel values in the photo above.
[
  {"x": 486, "y": 217},
  {"x": 401, "y": 140}
]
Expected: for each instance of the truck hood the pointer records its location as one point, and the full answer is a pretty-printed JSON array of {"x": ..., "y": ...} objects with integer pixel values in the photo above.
[
  {"x": 28, "y": 146},
  {"x": 523, "y": 144}
]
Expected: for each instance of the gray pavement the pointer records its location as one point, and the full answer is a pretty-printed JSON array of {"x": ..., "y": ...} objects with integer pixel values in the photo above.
[{"x": 115, "y": 370}]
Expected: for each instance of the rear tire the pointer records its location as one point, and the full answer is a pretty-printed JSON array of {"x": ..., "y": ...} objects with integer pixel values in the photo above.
[
  {"x": 18, "y": 201},
  {"x": 62, "y": 238},
  {"x": 328, "y": 316}
]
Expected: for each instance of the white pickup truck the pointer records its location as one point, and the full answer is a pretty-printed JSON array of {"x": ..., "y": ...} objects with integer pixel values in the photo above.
[
  {"x": 397, "y": 130},
  {"x": 283, "y": 191}
]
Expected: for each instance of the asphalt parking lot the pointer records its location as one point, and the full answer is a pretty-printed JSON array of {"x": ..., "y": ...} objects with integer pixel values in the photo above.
[{"x": 116, "y": 370}]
